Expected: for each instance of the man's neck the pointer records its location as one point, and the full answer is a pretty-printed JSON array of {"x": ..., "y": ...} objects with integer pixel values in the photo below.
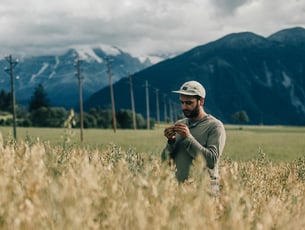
[{"x": 200, "y": 116}]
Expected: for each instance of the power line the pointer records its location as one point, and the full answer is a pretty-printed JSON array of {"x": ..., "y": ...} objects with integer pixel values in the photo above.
[
  {"x": 132, "y": 104},
  {"x": 165, "y": 107},
  {"x": 171, "y": 112},
  {"x": 80, "y": 91},
  {"x": 111, "y": 95},
  {"x": 13, "y": 98},
  {"x": 157, "y": 106},
  {"x": 168, "y": 103},
  {"x": 147, "y": 105}
]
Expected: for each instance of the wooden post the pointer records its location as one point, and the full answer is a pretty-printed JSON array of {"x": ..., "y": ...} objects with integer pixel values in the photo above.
[
  {"x": 147, "y": 105},
  {"x": 132, "y": 104},
  {"x": 80, "y": 91},
  {"x": 112, "y": 96}
]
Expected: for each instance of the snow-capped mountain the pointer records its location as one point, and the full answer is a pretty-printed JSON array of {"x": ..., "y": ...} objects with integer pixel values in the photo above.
[{"x": 58, "y": 75}]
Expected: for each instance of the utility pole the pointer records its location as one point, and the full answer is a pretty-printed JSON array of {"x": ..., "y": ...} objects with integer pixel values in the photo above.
[
  {"x": 175, "y": 111},
  {"x": 157, "y": 106},
  {"x": 13, "y": 98},
  {"x": 147, "y": 104},
  {"x": 111, "y": 95},
  {"x": 171, "y": 114},
  {"x": 165, "y": 108},
  {"x": 80, "y": 91},
  {"x": 132, "y": 103}
]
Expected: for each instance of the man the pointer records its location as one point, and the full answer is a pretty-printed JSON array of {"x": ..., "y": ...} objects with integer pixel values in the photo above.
[{"x": 198, "y": 134}]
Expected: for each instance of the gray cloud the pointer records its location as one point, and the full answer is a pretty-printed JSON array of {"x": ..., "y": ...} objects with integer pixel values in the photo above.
[
  {"x": 141, "y": 27},
  {"x": 228, "y": 6}
]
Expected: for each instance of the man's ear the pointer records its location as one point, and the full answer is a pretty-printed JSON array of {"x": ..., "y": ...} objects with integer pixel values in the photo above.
[{"x": 201, "y": 100}]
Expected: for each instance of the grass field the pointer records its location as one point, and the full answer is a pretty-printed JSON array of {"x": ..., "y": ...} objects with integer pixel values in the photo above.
[
  {"x": 279, "y": 143},
  {"x": 49, "y": 180}
]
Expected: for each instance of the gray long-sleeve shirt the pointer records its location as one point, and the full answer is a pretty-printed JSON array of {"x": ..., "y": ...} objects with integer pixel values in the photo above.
[{"x": 207, "y": 138}]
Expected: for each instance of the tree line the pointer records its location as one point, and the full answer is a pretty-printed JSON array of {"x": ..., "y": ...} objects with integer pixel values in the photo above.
[{"x": 40, "y": 114}]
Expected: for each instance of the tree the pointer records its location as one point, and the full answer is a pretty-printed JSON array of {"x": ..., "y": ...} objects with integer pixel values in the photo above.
[
  {"x": 240, "y": 117},
  {"x": 124, "y": 119},
  {"x": 141, "y": 123},
  {"x": 5, "y": 101},
  {"x": 48, "y": 117},
  {"x": 103, "y": 117},
  {"x": 39, "y": 99}
]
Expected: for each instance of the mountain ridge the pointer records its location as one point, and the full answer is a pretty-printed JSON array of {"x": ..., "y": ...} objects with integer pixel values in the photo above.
[
  {"x": 264, "y": 77},
  {"x": 57, "y": 73}
]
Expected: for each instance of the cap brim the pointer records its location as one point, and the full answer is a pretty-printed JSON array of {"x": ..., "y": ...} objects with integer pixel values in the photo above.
[{"x": 184, "y": 93}]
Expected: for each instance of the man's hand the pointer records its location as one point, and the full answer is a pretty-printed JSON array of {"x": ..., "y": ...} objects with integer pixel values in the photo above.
[
  {"x": 182, "y": 130},
  {"x": 170, "y": 133}
]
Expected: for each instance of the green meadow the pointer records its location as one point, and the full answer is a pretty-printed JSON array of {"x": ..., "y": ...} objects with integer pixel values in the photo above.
[{"x": 278, "y": 143}]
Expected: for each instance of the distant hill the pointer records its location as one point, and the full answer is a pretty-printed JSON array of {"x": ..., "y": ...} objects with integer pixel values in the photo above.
[
  {"x": 57, "y": 74},
  {"x": 265, "y": 76}
]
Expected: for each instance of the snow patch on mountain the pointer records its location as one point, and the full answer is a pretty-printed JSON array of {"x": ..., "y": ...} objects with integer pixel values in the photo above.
[
  {"x": 110, "y": 50},
  {"x": 42, "y": 69},
  {"x": 52, "y": 74},
  {"x": 88, "y": 54},
  {"x": 296, "y": 102},
  {"x": 268, "y": 76},
  {"x": 54, "y": 67},
  {"x": 150, "y": 59},
  {"x": 286, "y": 81},
  {"x": 155, "y": 58},
  {"x": 56, "y": 62}
]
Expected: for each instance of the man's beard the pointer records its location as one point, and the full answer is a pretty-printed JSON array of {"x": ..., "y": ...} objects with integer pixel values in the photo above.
[{"x": 192, "y": 113}]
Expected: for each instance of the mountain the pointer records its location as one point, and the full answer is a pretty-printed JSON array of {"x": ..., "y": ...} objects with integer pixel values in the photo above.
[
  {"x": 264, "y": 76},
  {"x": 295, "y": 36},
  {"x": 57, "y": 74}
]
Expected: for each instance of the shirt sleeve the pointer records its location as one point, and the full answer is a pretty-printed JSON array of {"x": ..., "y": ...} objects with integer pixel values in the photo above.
[
  {"x": 213, "y": 148},
  {"x": 166, "y": 153}
]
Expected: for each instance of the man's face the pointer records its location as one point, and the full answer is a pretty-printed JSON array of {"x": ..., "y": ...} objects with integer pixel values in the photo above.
[{"x": 190, "y": 106}]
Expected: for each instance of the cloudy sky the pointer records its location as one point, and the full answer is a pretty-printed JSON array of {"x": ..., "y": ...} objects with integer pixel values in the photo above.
[{"x": 141, "y": 27}]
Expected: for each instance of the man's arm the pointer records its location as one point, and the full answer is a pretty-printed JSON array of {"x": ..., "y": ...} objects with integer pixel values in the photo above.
[
  {"x": 213, "y": 148},
  {"x": 167, "y": 151},
  {"x": 170, "y": 134}
]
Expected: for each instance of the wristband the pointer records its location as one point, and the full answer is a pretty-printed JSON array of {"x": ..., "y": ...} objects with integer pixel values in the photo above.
[{"x": 171, "y": 141}]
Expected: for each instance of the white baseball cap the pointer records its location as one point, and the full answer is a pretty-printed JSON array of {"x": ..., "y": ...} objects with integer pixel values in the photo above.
[{"x": 191, "y": 88}]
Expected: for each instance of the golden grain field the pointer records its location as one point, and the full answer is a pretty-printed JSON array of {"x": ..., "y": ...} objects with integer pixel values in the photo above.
[{"x": 45, "y": 186}]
